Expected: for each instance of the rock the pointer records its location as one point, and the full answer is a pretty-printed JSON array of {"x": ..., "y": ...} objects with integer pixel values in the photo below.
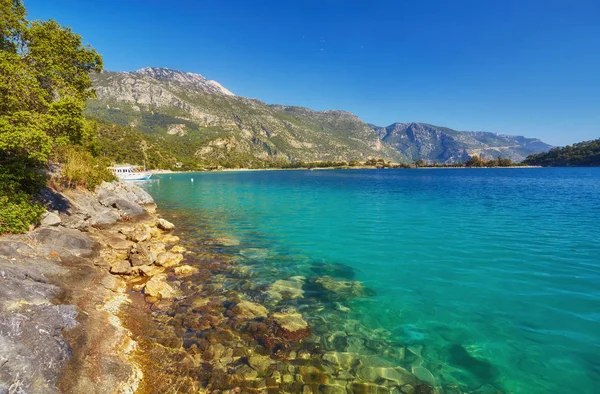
[
  {"x": 64, "y": 241},
  {"x": 105, "y": 218},
  {"x": 168, "y": 259},
  {"x": 140, "y": 254},
  {"x": 260, "y": 363},
  {"x": 165, "y": 225},
  {"x": 178, "y": 249},
  {"x": 169, "y": 239},
  {"x": 342, "y": 289},
  {"x": 396, "y": 376},
  {"x": 423, "y": 374},
  {"x": 249, "y": 310},
  {"x": 159, "y": 288},
  {"x": 108, "y": 192},
  {"x": 333, "y": 389},
  {"x": 50, "y": 219},
  {"x": 247, "y": 373},
  {"x": 139, "y": 235},
  {"x": 128, "y": 207},
  {"x": 368, "y": 388},
  {"x": 223, "y": 241},
  {"x": 185, "y": 270},
  {"x": 342, "y": 360},
  {"x": 149, "y": 270},
  {"x": 286, "y": 289},
  {"x": 121, "y": 267},
  {"x": 290, "y": 321},
  {"x": 157, "y": 247}
]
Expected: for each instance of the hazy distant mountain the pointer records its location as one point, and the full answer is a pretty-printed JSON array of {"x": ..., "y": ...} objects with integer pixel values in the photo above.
[
  {"x": 434, "y": 143},
  {"x": 221, "y": 126}
]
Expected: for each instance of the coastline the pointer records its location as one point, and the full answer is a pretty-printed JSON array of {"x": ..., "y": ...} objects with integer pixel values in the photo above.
[{"x": 64, "y": 286}]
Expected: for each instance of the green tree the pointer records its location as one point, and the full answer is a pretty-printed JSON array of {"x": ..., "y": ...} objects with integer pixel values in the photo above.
[{"x": 44, "y": 85}]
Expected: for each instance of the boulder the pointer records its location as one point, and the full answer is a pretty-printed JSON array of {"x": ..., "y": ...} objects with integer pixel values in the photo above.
[
  {"x": 139, "y": 235},
  {"x": 286, "y": 289},
  {"x": 107, "y": 193},
  {"x": 168, "y": 259},
  {"x": 165, "y": 225},
  {"x": 105, "y": 218},
  {"x": 140, "y": 254},
  {"x": 159, "y": 288},
  {"x": 292, "y": 325},
  {"x": 50, "y": 219},
  {"x": 128, "y": 207},
  {"x": 64, "y": 241},
  {"x": 121, "y": 267},
  {"x": 185, "y": 270},
  {"x": 249, "y": 310}
]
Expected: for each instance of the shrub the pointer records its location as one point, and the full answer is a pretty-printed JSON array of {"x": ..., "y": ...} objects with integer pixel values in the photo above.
[
  {"x": 81, "y": 169},
  {"x": 17, "y": 212}
]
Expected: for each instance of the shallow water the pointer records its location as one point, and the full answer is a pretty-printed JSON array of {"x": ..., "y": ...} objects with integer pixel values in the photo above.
[{"x": 489, "y": 279}]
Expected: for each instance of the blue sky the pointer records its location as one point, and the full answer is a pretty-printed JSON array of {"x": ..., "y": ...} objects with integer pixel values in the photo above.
[{"x": 523, "y": 67}]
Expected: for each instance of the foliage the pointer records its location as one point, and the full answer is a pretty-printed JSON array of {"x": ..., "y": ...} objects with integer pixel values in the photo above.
[
  {"x": 44, "y": 85},
  {"x": 476, "y": 161},
  {"x": 580, "y": 154},
  {"x": 81, "y": 169}
]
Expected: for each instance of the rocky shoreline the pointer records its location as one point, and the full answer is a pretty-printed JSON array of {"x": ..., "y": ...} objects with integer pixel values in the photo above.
[
  {"x": 101, "y": 298},
  {"x": 63, "y": 286}
]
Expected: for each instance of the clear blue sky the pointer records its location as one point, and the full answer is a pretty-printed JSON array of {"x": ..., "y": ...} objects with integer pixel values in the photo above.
[{"x": 529, "y": 67}]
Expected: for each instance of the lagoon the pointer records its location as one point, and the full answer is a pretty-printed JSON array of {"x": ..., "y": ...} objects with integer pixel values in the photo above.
[{"x": 483, "y": 279}]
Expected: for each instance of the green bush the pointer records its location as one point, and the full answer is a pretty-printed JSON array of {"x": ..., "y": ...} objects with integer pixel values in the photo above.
[
  {"x": 81, "y": 169},
  {"x": 17, "y": 212}
]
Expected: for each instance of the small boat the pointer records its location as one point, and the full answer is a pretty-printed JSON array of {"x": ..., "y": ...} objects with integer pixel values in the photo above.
[{"x": 129, "y": 173}]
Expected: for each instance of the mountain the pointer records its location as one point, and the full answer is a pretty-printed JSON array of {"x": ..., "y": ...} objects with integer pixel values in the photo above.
[
  {"x": 434, "y": 143},
  {"x": 227, "y": 127},
  {"x": 215, "y": 126},
  {"x": 581, "y": 154}
]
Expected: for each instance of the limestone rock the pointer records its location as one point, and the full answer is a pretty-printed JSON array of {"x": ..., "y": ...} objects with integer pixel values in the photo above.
[
  {"x": 168, "y": 259},
  {"x": 159, "y": 288},
  {"x": 342, "y": 289},
  {"x": 165, "y": 225},
  {"x": 139, "y": 235},
  {"x": 292, "y": 323},
  {"x": 50, "y": 219},
  {"x": 121, "y": 267},
  {"x": 105, "y": 218},
  {"x": 286, "y": 289},
  {"x": 249, "y": 310},
  {"x": 128, "y": 207},
  {"x": 185, "y": 270},
  {"x": 260, "y": 363},
  {"x": 141, "y": 254},
  {"x": 178, "y": 249}
]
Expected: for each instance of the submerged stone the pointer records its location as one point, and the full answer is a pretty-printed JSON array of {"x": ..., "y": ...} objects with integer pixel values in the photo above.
[
  {"x": 249, "y": 310},
  {"x": 165, "y": 225},
  {"x": 286, "y": 289},
  {"x": 423, "y": 374}
]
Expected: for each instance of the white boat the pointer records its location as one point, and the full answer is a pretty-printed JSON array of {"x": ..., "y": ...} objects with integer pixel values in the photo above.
[{"x": 129, "y": 173}]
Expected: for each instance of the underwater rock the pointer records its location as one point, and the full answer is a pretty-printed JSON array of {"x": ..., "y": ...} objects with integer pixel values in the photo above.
[
  {"x": 168, "y": 259},
  {"x": 249, "y": 310},
  {"x": 342, "y": 289},
  {"x": 292, "y": 324},
  {"x": 396, "y": 376},
  {"x": 159, "y": 288},
  {"x": 178, "y": 249},
  {"x": 165, "y": 225},
  {"x": 260, "y": 363},
  {"x": 368, "y": 388},
  {"x": 342, "y": 360},
  {"x": 423, "y": 374},
  {"x": 185, "y": 270},
  {"x": 222, "y": 241},
  {"x": 286, "y": 289}
]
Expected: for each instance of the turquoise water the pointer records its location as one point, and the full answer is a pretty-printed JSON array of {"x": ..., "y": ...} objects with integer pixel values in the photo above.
[{"x": 490, "y": 276}]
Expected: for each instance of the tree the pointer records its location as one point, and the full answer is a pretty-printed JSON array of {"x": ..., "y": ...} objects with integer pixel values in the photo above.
[{"x": 44, "y": 85}]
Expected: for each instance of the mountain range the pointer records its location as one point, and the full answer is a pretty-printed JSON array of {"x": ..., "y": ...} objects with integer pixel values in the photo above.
[{"x": 219, "y": 126}]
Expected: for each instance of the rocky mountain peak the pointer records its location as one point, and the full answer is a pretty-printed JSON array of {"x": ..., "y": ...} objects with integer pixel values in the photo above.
[{"x": 187, "y": 79}]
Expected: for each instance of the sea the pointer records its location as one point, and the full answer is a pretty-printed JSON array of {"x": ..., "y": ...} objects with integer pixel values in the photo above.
[{"x": 473, "y": 280}]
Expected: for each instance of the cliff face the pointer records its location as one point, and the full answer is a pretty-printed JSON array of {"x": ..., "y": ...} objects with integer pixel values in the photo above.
[{"x": 189, "y": 109}]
